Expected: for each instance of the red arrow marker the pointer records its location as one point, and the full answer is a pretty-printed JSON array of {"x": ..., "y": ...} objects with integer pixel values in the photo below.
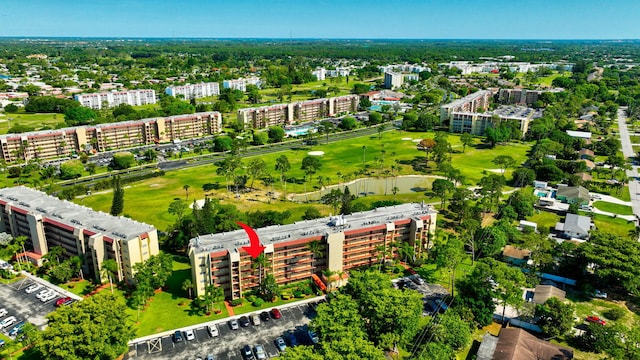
[{"x": 255, "y": 248}]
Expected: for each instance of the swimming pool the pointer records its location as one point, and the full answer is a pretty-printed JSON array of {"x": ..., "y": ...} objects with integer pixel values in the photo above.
[{"x": 299, "y": 131}]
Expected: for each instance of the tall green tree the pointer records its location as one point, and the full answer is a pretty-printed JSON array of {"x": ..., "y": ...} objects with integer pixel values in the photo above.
[
  {"x": 467, "y": 140},
  {"x": 555, "y": 317},
  {"x": 117, "y": 203},
  {"x": 95, "y": 328},
  {"x": 110, "y": 269},
  {"x": 442, "y": 188}
]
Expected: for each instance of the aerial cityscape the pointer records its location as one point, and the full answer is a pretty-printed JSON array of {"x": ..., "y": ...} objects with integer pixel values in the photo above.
[{"x": 319, "y": 180}]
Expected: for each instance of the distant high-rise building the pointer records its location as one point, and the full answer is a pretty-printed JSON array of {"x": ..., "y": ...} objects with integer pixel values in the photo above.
[
  {"x": 194, "y": 91},
  {"x": 98, "y": 101},
  {"x": 393, "y": 80},
  {"x": 241, "y": 83}
]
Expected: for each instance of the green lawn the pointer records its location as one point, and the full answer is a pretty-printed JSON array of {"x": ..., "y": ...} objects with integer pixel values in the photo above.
[
  {"x": 617, "y": 226},
  {"x": 80, "y": 288},
  {"x": 36, "y": 121},
  {"x": 171, "y": 309},
  {"x": 613, "y": 208},
  {"x": 544, "y": 219},
  {"x": 347, "y": 158}
]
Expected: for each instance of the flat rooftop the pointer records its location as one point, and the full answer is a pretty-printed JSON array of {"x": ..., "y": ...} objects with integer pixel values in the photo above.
[
  {"x": 467, "y": 98},
  {"x": 68, "y": 213},
  {"x": 310, "y": 228}
]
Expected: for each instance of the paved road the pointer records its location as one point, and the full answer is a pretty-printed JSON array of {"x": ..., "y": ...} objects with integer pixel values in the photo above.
[{"x": 627, "y": 150}]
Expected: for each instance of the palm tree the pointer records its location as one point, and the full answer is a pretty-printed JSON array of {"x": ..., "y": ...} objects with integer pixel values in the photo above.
[
  {"x": 187, "y": 285},
  {"x": 109, "y": 269},
  {"x": 186, "y": 190},
  {"x": 316, "y": 248},
  {"x": 260, "y": 262},
  {"x": 364, "y": 155}
]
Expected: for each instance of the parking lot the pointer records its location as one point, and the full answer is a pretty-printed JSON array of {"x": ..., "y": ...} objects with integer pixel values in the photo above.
[
  {"x": 229, "y": 343},
  {"x": 24, "y": 306},
  {"x": 432, "y": 294}
]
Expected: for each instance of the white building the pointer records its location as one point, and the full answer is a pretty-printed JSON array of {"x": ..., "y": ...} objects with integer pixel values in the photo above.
[
  {"x": 393, "y": 80},
  {"x": 241, "y": 83},
  {"x": 320, "y": 73},
  {"x": 194, "y": 91},
  {"x": 111, "y": 99}
]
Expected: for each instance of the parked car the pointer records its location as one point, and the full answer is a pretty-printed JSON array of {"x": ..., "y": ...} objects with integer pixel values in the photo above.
[
  {"x": 3, "y": 312},
  {"x": 313, "y": 336},
  {"x": 275, "y": 313},
  {"x": 595, "y": 320},
  {"x": 600, "y": 294},
  {"x": 255, "y": 319},
  {"x": 260, "y": 353},
  {"x": 33, "y": 288},
  {"x": 2, "y": 343},
  {"x": 8, "y": 321},
  {"x": 291, "y": 338},
  {"x": 43, "y": 293},
  {"x": 417, "y": 279},
  {"x": 61, "y": 301},
  {"x": 244, "y": 321},
  {"x": 246, "y": 352},
  {"x": 233, "y": 324},
  {"x": 280, "y": 344},
  {"x": 264, "y": 316},
  {"x": 5, "y": 265},
  {"x": 189, "y": 335},
  {"x": 177, "y": 336},
  {"x": 52, "y": 295},
  {"x": 17, "y": 328},
  {"x": 209, "y": 357},
  {"x": 213, "y": 330}
]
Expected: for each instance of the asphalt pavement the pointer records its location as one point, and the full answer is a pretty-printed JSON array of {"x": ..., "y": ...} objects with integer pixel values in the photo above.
[{"x": 627, "y": 151}]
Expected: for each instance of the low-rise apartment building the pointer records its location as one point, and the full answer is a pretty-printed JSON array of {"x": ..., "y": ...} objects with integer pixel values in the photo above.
[
  {"x": 111, "y": 99},
  {"x": 476, "y": 102},
  {"x": 477, "y": 123},
  {"x": 47, "y": 222},
  {"x": 522, "y": 96},
  {"x": 49, "y": 144},
  {"x": 194, "y": 91},
  {"x": 297, "y": 251},
  {"x": 302, "y": 111}
]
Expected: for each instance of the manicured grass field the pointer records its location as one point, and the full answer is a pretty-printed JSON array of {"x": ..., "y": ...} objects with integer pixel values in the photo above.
[
  {"x": 36, "y": 121},
  {"x": 544, "y": 219},
  {"x": 613, "y": 208},
  {"x": 148, "y": 200},
  {"x": 617, "y": 226},
  {"x": 171, "y": 309}
]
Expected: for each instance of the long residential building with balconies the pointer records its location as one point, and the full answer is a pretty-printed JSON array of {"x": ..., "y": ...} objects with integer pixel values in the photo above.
[
  {"x": 302, "y": 111},
  {"x": 47, "y": 222},
  {"x": 194, "y": 91},
  {"x": 98, "y": 101},
  {"x": 340, "y": 243},
  {"x": 476, "y": 102},
  {"x": 49, "y": 144}
]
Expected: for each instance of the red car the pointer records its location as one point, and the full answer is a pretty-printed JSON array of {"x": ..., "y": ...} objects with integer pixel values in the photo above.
[
  {"x": 62, "y": 301},
  {"x": 596, "y": 320},
  {"x": 275, "y": 313}
]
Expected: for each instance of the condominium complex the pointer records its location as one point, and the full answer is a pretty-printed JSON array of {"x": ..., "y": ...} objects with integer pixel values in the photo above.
[
  {"x": 476, "y": 102},
  {"x": 194, "y": 91},
  {"x": 48, "y": 144},
  {"x": 48, "y": 222},
  {"x": 303, "y": 111},
  {"x": 522, "y": 96},
  {"x": 298, "y": 251},
  {"x": 111, "y": 99},
  {"x": 241, "y": 83},
  {"x": 468, "y": 68},
  {"x": 477, "y": 123},
  {"x": 393, "y": 80}
]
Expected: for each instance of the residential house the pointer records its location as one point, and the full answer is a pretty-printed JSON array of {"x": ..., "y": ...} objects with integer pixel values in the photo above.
[
  {"x": 589, "y": 165},
  {"x": 573, "y": 195},
  {"x": 542, "y": 293},
  {"x": 584, "y": 176},
  {"x": 515, "y": 256},
  {"x": 586, "y": 154},
  {"x": 528, "y": 224},
  {"x": 575, "y": 226},
  {"x": 518, "y": 344}
]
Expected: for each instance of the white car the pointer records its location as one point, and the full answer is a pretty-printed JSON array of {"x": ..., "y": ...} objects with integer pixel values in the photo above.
[
  {"x": 8, "y": 321},
  {"x": 3, "y": 312},
  {"x": 600, "y": 294},
  {"x": 33, "y": 288},
  {"x": 48, "y": 297},
  {"x": 213, "y": 330},
  {"x": 190, "y": 335},
  {"x": 43, "y": 293}
]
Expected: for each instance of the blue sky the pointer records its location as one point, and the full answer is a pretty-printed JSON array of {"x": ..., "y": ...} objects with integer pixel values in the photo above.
[{"x": 425, "y": 19}]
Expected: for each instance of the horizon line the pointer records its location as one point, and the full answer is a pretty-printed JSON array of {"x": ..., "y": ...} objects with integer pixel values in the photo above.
[{"x": 305, "y": 38}]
